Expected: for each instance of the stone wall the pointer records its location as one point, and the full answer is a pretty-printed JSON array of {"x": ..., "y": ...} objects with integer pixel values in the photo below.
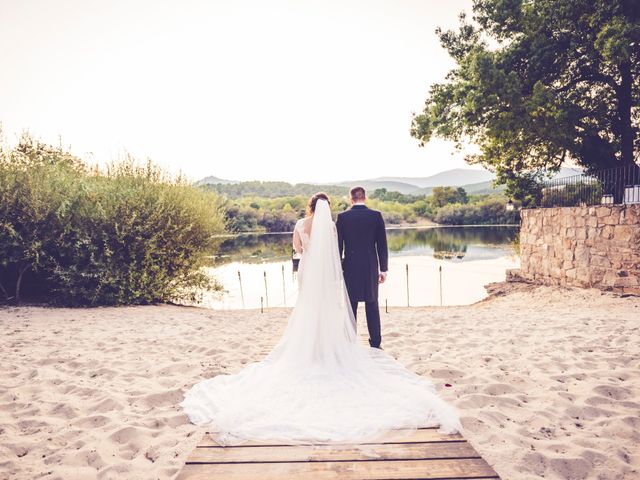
[{"x": 597, "y": 246}]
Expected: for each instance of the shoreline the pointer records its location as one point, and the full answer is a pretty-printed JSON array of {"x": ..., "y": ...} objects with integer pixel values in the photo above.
[
  {"x": 394, "y": 226},
  {"x": 546, "y": 380}
]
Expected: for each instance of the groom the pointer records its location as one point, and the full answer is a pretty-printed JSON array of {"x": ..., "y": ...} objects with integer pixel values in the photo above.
[{"x": 363, "y": 239}]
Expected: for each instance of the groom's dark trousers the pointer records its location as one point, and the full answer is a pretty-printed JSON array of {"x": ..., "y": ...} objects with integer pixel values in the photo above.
[
  {"x": 373, "y": 321},
  {"x": 363, "y": 241}
]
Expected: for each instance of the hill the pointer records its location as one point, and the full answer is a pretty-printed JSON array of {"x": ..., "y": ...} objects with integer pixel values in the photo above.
[
  {"x": 211, "y": 180},
  {"x": 454, "y": 177},
  {"x": 479, "y": 188},
  {"x": 390, "y": 185},
  {"x": 472, "y": 180}
]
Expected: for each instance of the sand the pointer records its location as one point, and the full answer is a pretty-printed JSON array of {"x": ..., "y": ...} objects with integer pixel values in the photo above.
[{"x": 547, "y": 381}]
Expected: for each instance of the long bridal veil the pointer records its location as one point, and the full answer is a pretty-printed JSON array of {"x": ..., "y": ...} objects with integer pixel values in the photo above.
[{"x": 318, "y": 384}]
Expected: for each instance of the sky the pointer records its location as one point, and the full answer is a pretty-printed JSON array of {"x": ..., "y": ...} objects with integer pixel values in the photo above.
[{"x": 293, "y": 90}]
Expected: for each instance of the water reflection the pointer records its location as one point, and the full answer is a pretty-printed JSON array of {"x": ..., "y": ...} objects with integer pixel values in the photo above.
[
  {"x": 451, "y": 242},
  {"x": 440, "y": 242},
  {"x": 445, "y": 265}
]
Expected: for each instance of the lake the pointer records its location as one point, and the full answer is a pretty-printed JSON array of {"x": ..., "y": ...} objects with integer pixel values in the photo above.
[{"x": 445, "y": 265}]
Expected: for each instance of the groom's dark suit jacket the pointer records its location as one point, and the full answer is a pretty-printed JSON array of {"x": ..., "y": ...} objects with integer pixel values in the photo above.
[{"x": 363, "y": 240}]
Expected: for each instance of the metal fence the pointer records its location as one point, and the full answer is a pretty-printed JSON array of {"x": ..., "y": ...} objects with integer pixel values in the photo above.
[{"x": 613, "y": 186}]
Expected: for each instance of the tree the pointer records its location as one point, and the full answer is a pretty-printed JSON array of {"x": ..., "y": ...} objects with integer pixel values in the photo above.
[
  {"x": 442, "y": 196},
  {"x": 539, "y": 83}
]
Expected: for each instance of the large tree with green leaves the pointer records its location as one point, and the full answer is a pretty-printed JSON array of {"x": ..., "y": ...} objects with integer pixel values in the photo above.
[{"x": 540, "y": 82}]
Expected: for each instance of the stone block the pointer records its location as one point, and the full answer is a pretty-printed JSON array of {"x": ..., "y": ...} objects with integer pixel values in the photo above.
[
  {"x": 609, "y": 278},
  {"x": 630, "y": 215},
  {"x": 555, "y": 272},
  {"x": 600, "y": 261},
  {"x": 606, "y": 232},
  {"x": 624, "y": 233},
  {"x": 631, "y": 290},
  {"x": 583, "y": 276},
  {"x": 613, "y": 219},
  {"x": 626, "y": 282},
  {"x": 597, "y": 274},
  {"x": 581, "y": 255}
]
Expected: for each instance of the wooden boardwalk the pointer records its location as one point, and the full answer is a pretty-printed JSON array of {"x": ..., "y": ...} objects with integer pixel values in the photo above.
[{"x": 410, "y": 455}]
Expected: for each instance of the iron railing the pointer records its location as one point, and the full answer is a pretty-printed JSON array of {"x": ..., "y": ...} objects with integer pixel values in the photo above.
[{"x": 613, "y": 186}]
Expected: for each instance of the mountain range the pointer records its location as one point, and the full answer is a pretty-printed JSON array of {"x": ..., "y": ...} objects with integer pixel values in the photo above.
[{"x": 472, "y": 180}]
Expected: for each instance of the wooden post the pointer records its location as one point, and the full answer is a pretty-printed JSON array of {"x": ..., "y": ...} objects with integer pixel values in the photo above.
[
  {"x": 386, "y": 305},
  {"x": 261, "y": 304},
  {"x": 266, "y": 290},
  {"x": 440, "y": 269},
  {"x": 284, "y": 293},
  {"x": 407, "y": 268},
  {"x": 241, "y": 291}
]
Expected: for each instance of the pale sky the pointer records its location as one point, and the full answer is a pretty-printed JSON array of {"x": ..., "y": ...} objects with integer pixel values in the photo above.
[{"x": 294, "y": 90}]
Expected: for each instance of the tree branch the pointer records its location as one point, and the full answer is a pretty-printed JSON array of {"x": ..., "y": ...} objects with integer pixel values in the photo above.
[{"x": 594, "y": 77}]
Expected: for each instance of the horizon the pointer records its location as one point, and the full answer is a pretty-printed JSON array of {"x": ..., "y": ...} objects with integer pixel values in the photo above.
[
  {"x": 333, "y": 182},
  {"x": 242, "y": 89}
]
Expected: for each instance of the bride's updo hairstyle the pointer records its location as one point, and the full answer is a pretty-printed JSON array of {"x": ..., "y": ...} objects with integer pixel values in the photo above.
[{"x": 311, "y": 205}]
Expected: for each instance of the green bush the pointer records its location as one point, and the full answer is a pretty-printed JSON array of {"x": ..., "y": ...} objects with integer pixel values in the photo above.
[
  {"x": 74, "y": 236},
  {"x": 485, "y": 212},
  {"x": 571, "y": 195}
]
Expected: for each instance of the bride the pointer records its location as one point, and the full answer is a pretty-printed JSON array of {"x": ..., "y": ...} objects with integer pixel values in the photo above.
[{"x": 318, "y": 384}]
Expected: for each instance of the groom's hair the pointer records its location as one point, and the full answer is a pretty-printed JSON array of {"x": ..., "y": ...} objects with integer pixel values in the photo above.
[{"x": 357, "y": 194}]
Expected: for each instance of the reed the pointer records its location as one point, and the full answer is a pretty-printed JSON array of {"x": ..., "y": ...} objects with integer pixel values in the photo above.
[{"x": 75, "y": 235}]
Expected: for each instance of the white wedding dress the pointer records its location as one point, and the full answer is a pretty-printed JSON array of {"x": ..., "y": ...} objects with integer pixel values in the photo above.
[{"x": 318, "y": 384}]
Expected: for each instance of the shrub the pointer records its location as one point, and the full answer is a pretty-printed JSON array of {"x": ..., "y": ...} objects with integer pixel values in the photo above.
[
  {"x": 74, "y": 236},
  {"x": 485, "y": 212}
]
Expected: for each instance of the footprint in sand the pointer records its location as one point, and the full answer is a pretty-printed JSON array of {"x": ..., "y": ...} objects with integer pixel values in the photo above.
[
  {"x": 446, "y": 373},
  {"x": 92, "y": 421},
  {"x": 125, "y": 435},
  {"x": 588, "y": 412},
  {"x": 63, "y": 410},
  {"x": 499, "y": 389},
  {"x": 597, "y": 400},
  {"x": 482, "y": 401},
  {"x": 164, "y": 399},
  {"x": 114, "y": 472},
  {"x": 535, "y": 463},
  {"x": 612, "y": 391},
  {"x": 107, "y": 405},
  {"x": 573, "y": 468}
]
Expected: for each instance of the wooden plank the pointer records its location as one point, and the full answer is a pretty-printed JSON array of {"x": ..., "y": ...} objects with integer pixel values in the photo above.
[
  {"x": 379, "y": 452},
  {"x": 470, "y": 468},
  {"x": 397, "y": 436}
]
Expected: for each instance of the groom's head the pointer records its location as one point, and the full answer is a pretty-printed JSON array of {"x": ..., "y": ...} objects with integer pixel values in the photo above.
[{"x": 357, "y": 195}]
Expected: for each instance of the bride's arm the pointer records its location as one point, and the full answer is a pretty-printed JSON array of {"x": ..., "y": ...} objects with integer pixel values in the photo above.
[{"x": 297, "y": 241}]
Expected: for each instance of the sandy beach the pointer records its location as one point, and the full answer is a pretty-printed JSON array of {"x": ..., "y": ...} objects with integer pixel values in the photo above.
[{"x": 547, "y": 381}]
